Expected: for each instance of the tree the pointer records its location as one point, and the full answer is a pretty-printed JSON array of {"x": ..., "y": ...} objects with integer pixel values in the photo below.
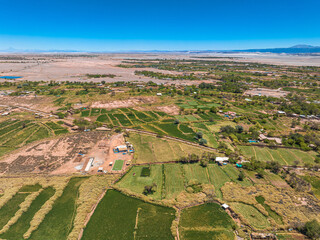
[
  {"x": 274, "y": 166},
  {"x": 199, "y": 135},
  {"x": 260, "y": 173},
  {"x": 312, "y": 229},
  {"x": 295, "y": 163},
  {"x": 213, "y": 110},
  {"x": 204, "y": 162},
  {"x": 241, "y": 176},
  {"x": 227, "y": 129},
  {"x": 203, "y": 141},
  {"x": 176, "y": 121},
  {"x": 239, "y": 129},
  {"x": 149, "y": 189}
]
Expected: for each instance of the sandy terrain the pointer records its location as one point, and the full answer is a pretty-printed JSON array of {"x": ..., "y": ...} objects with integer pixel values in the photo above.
[
  {"x": 124, "y": 103},
  {"x": 272, "y": 58},
  {"x": 61, "y": 156},
  {"x": 49, "y": 155},
  {"x": 172, "y": 109},
  {"x": 67, "y": 68},
  {"x": 38, "y": 103},
  {"x": 277, "y": 93}
]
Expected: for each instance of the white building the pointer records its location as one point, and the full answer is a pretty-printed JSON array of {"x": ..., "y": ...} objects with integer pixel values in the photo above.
[{"x": 222, "y": 159}]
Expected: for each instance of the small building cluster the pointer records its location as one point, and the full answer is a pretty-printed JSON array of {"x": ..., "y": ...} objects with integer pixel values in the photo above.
[
  {"x": 127, "y": 148},
  {"x": 276, "y": 139},
  {"x": 222, "y": 160}
]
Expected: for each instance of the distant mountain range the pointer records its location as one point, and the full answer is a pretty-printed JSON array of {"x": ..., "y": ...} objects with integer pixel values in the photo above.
[
  {"x": 297, "y": 49},
  {"x": 291, "y": 50}
]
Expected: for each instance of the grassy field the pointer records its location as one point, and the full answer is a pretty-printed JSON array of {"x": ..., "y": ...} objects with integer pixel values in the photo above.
[
  {"x": 17, "y": 230},
  {"x": 133, "y": 180},
  {"x": 118, "y": 165},
  {"x": 252, "y": 215},
  {"x": 16, "y": 133},
  {"x": 315, "y": 183},
  {"x": 233, "y": 174},
  {"x": 57, "y": 224},
  {"x": 174, "y": 181},
  {"x": 121, "y": 217},
  {"x": 149, "y": 149},
  {"x": 281, "y": 155},
  {"x": 171, "y": 179},
  {"x": 218, "y": 178},
  {"x": 208, "y": 221},
  {"x": 10, "y": 208},
  {"x": 273, "y": 214},
  {"x": 57, "y": 129}
]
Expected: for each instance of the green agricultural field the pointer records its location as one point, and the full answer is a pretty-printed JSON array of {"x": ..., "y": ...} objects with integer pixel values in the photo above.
[
  {"x": 103, "y": 118},
  {"x": 136, "y": 183},
  {"x": 315, "y": 183},
  {"x": 216, "y": 127},
  {"x": 282, "y": 155},
  {"x": 30, "y": 188},
  {"x": 172, "y": 179},
  {"x": 57, "y": 224},
  {"x": 218, "y": 177},
  {"x": 11, "y": 207},
  {"x": 207, "y": 221},
  {"x": 58, "y": 129},
  {"x": 123, "y": 119},
  {"x": 95, "y": 112},
  {"x": 118, "y": 165},
  {"x": 272, "y": 214},
  {"x": 253, "y": 177},
  {"x": 17, "y": 230},
  {"x": 173, "y": 130},
  {"x": 85, "y": 113},
  {"x": 196, "y": 172},
  {"x": 275, "y": 179},
  {"x": 121, "y": 217},
  {"x": 252, "y": 215},
  {"x": 233, "y": 174},
  {"x": 150, "y": 149},
  {"x": 14, "y": 134}
]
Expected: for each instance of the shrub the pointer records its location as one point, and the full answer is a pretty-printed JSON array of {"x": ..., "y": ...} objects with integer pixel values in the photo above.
[
  {"x": 312, "y": 229},
  {"x": 149, "y": 189}
]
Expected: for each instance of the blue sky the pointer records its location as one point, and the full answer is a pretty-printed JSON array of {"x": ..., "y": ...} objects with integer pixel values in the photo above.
[{"x": 98, "y": 25}]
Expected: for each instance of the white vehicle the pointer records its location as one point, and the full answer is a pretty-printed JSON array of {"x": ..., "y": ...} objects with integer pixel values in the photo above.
[{"x": 111, "y": 163}]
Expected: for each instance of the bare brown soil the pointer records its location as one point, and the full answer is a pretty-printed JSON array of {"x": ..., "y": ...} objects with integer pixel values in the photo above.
[
  {"x": 172, "y": 109},
  {"x": 277, "y": 93},
  {"x": 38, "y": 103},
  {"x": 50, "y": 155},
  {"x": 124, "y": 103}
]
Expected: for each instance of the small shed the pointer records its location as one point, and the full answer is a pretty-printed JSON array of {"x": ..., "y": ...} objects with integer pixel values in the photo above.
[
  {"x": 222, "y": 159},
  {"x": 121, "y": 148},
  {"x": 225, "y": 206},
  {"x": 159, "y": 94}
]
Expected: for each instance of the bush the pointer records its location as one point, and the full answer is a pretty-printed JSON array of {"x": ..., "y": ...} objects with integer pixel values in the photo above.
[
  {"x": 203, "y": 141},
  {"x": 149, "y": 189},
  {"x": 312, "y": 229},
  {"x": 241, "y": 176}
]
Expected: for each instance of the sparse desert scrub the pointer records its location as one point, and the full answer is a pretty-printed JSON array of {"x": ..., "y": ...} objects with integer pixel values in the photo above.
[
  {"x": 23, "y": 207},
  {"x": 185, "y": 199},
  {"x": 288, "y": 203},
  {"x": 175, "y": 223}
]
